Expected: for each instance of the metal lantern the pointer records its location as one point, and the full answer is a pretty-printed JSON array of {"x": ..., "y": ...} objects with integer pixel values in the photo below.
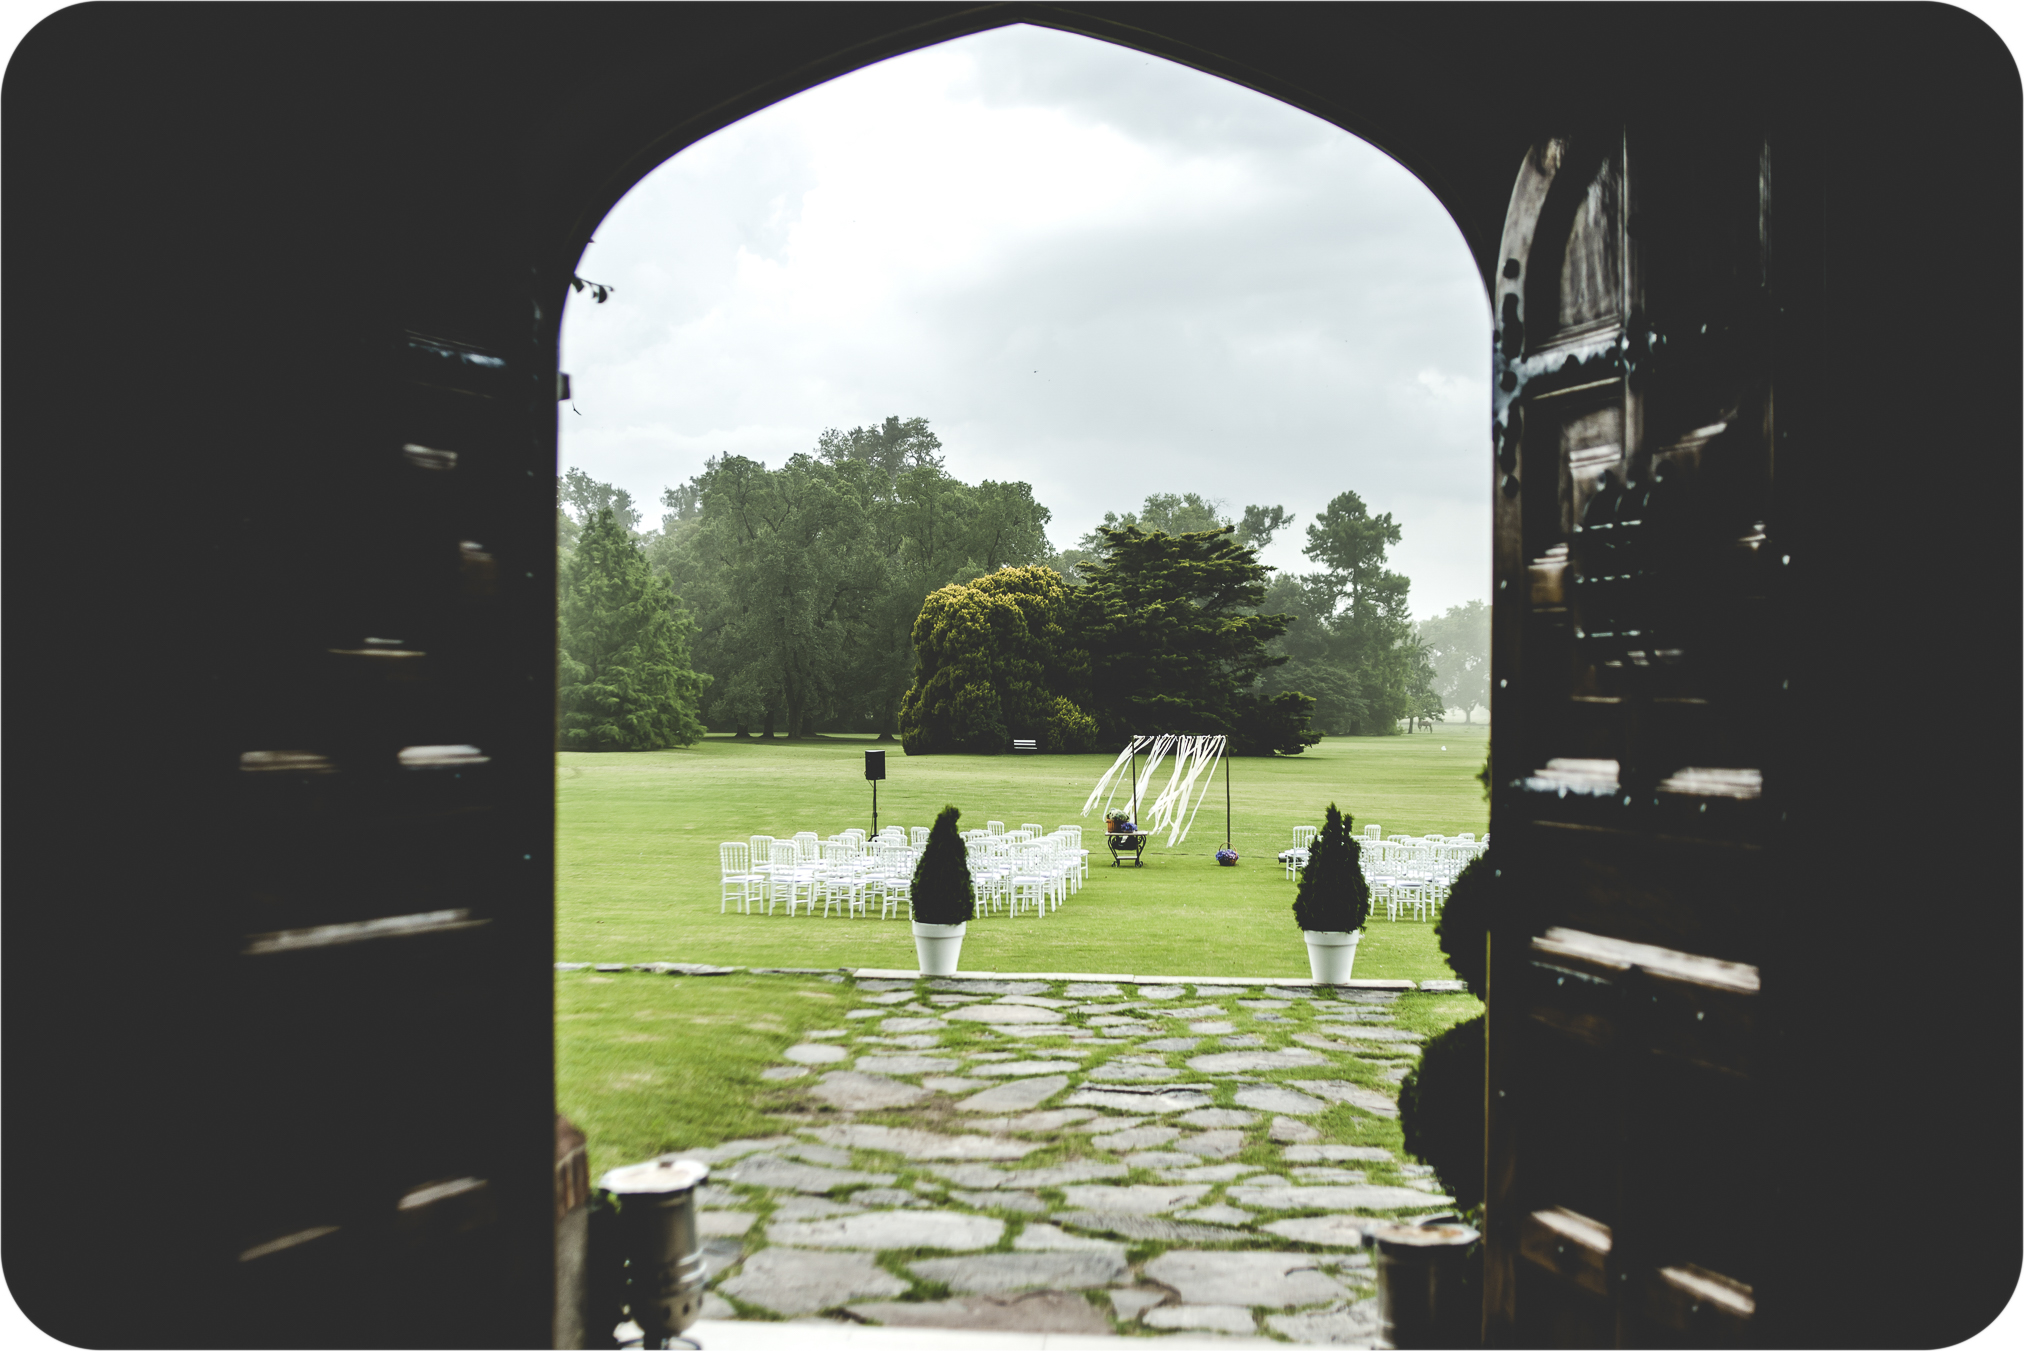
[
  {"x": 1423, "y": 1288},
  {"x": 657, "y": 1229}
]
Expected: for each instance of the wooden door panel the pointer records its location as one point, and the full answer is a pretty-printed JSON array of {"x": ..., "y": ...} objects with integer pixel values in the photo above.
[{"x": 1635, "y": 668}]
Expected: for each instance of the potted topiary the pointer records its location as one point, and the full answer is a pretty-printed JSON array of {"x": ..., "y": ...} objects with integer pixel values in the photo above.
[
  {"x": 1333, "y": 901},
  {"x": 943, "y": 898}
]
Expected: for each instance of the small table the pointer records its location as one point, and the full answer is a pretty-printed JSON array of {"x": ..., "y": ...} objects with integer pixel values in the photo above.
[{"x": 1132, "y": 842}]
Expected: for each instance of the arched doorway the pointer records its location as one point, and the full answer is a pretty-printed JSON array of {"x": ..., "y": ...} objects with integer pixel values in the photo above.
[
  {"x": 1083, "y": 269},
  {"x": 279, "y": 224}
]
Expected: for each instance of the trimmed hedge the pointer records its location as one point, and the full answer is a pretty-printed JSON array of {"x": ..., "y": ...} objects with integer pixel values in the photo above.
[
  {"x": 1333, "y": 897},
  {"x": 943, "y": 893},
  {"x": 1441, "y": 1110}
]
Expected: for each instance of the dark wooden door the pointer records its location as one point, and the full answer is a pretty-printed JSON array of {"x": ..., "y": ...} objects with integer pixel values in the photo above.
[{"x": 1636, "y": 675}]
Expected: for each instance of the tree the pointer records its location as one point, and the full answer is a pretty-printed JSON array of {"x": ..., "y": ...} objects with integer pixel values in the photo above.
[
  {"x": 588, "y": 497},
  {"x": 1352, "y": 645},
  {"x": 1180, "y": 513},
  {"x": 1176, "y": 642},
  {"x": 992, "y": 659},
  {"x": 783, "y": 569},
  {"x": 891, "y": 448},
  {"x": 1459, "y": 644},
  {"x": 1333, "y": 896},
  {"x": 1260, "y": 524},
  {"x": 625, "y": 682}
]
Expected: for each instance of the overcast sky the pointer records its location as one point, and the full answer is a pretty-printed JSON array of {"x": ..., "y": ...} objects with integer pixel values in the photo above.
[{"x": 1089, "y": 269}]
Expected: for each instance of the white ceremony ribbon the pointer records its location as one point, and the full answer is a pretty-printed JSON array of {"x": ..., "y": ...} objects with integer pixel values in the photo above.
[
  {"x": 1162, "y": 746},
  {"x": 1117, "y": 767},
  {"x": 1216, "y": 749}
]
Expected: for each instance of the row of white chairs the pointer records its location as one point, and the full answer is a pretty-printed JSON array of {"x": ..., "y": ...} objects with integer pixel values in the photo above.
[
  {"x": 1405, "y": 873},
  {"x": 1014, "y": 871}
]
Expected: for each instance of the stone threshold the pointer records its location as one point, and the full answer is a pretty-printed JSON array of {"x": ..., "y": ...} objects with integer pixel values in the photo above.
[
  {"x": 1235, "y": 982},
  {"x": 1110, "y": 977},
  {"x": 821, "y": 1334}
]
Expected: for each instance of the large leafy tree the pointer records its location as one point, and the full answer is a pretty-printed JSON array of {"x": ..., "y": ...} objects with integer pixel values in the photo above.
[
  {"x": 1458, "y": 644},
  {"x": 992, "y": 659},
  {"x": 1353, "y": 645},
  {"x": 781, "y": 568},
  {"x": 808, "y": 578},
  {"x": 624, "y": 678},
  {"x": 1179, "y": 513},
  {"x": 1176, "y": 641},
  {"x": 892, "y": 448}
]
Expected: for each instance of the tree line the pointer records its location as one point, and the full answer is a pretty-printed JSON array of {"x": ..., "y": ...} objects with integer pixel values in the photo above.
[{"x": 863, "y": 587}]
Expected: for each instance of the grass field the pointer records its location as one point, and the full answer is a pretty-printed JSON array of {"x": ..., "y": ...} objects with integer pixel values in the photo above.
[
  {"x": 637, "y": 836},
  {"x": 645, "y": 1064}
]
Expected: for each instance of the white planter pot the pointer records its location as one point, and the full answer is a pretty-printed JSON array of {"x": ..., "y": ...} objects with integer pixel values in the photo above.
[
  {"x": 938, "y": 946},
  {"x": 1330, "y": 955}
]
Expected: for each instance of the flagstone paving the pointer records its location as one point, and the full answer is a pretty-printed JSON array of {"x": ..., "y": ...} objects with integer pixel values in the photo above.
[{"x": 1048, "y": 1156}]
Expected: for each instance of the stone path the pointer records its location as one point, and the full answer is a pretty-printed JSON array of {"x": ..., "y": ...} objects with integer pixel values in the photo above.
[{"x": 1073, "y": 1157}]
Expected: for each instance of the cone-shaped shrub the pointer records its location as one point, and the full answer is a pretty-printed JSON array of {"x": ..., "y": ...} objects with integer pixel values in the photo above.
[
  {"x": 1333, "y": 897},
  {"x": 1464, "y": 920},
  {"x": 942, "y": 890},
  {"x": 1441, "y": 1110}
]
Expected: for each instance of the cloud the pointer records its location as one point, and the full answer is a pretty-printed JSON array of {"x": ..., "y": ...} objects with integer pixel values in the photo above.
[{"x": 1090, "y": 269}]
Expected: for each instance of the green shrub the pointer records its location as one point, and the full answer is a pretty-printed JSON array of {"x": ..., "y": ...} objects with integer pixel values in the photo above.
[
  {"x": 1333, "y": 897},
  {"x": 1441, "y": 1110},
  {"x": 1068, "y": 730},
  {"x": 1465, "y": 920},
  {"x": 942, "y": 890}
]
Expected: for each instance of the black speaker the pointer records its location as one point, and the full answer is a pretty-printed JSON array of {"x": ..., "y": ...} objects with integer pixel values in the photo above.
[{"x": 874, "y": 764}]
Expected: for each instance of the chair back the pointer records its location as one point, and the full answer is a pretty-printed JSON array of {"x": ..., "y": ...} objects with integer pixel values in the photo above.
[
  {"x": 762, "y": 848},
  {"x": 1303, "y": 836},
  {"x": 1373, "y": 832},
  {"x": 995, "y": 827},
  {"x": 806, "y": 846},
  {"x": 733, "y": 858},
  {"x": 919, "y": 836},
  {"x": 838, "y": 851},
  {"x": 785, "y": 855}
]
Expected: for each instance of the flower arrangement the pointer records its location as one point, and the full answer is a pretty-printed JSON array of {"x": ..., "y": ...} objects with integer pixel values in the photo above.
[{"x": 1227, "y": 857}]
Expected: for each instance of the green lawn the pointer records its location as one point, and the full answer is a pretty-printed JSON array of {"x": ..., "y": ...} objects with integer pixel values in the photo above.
[
  {"x": 645, "y": 1064},
  {"x": 637, "y": 835}
]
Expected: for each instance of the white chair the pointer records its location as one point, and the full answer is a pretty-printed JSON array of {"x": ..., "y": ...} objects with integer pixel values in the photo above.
[
  {"x": 738, "y": 881},
  {"x": 895, "y": 888},
  {"x": 793, "y": 881},
  {"x": 919, "y": 836},
  {"x": 762, "y": 859},
  {"x": 1028, "y": 889},
  {"x": 1079, "y": 850}
]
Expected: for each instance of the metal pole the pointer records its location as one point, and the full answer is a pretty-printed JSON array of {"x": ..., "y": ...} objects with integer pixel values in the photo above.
[
  {"x": 1134, "y": 781},
  {"x": 1226, "y": 792},
  {"x": 874, "y": 809}
]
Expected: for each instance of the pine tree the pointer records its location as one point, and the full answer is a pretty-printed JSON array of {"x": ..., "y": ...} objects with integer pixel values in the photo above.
[
  {"x": 942, "y": 890},
  {"x": 1333, "y": 896},
  {"x": 625, "y": 683}
]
